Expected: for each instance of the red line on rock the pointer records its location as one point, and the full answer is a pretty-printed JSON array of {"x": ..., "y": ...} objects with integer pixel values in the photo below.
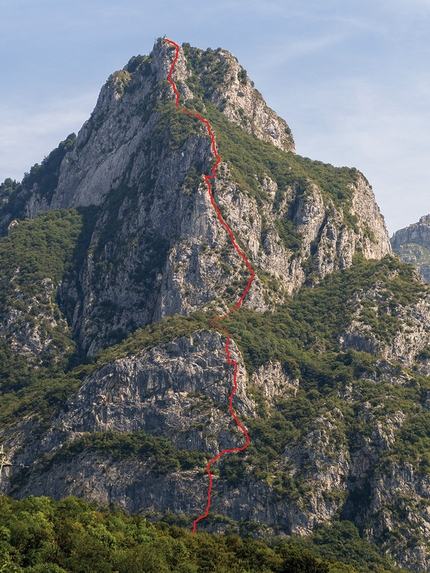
[{"x": 242, "y": 297}]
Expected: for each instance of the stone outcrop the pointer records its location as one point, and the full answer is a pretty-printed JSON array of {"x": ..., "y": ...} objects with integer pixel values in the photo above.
[
  {"x": 412, "y": 335},
  {"x": 272, "y": 381},
  {"x": 171, "y": 390},
  {"x": 415, "y": 233},
  {"x": 412, "y": 245}
]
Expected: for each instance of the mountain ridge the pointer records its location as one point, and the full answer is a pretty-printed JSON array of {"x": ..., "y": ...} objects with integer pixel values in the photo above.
[
  {"x": 412, "y": 245},
  {"x": 107, "y": 333}
]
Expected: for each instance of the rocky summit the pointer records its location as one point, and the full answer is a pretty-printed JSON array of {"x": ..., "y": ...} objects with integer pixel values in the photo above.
[{"x": 115, "y": 387}]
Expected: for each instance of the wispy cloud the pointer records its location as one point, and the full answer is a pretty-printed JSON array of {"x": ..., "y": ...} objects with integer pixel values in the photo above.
[
  {"x": 26, "y": 137},
  {"x": 300, "y": 48}
]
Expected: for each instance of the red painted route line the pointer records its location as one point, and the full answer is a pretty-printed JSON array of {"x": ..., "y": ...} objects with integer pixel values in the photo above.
[{"x": 242, "y": 297}]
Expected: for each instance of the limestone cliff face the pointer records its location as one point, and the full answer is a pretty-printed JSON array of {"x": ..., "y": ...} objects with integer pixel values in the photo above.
[
  {"x": 144, "y": 244},
  {"x": 403, "y": 346},
  {"x": 243, "y": 105},
  {"x": 179, "y": 390},
  {"x": 416, "y": 233},
  {"x": 371, "y": 223},
  {"x": 29, "y": 329},
  {"x": 156, "y": 246}
]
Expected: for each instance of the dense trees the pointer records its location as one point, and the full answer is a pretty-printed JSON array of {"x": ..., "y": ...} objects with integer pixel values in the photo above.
[{"x": 39, "y": 535}]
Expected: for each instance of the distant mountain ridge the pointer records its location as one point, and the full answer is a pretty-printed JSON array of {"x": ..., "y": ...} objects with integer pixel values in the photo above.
[{"x": 412, "y": 244}]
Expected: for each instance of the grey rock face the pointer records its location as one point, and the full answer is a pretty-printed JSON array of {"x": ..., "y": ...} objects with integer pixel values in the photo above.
[
  {"x": 375, "y": 240},
  {"x": 416, "y": 233},
  {"x": 272, "y": 381},
  {"x": 151, "y": 392},
  {"x": 412, "y": 245},
  {"x": 109, "y": 141},
  {"x": 390, "y": 490},
  {"x": 157, "y": 248},
  {"x": 405, "y": 345},
  {"x": 244, "y": 106},
  {"x": 29, "y": 328},
  {"x": 180, "y": 390}
]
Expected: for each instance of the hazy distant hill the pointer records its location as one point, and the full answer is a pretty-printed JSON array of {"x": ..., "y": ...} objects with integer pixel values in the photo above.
[{"x": 412, "y": 244}]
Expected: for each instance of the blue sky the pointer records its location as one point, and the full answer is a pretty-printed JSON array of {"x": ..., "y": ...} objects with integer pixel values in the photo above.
[{"x": 351, "y": 77}]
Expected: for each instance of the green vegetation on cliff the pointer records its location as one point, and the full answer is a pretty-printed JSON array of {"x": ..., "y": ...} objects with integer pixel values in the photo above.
[
  {"x": 42, "y": 178},
  {"x": 163, "y": 456},
  {"x": 34, "y": 258},
  {"x": 252, "y": 159}
]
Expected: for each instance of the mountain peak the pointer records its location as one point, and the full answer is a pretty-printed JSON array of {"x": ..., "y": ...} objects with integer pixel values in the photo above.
[
  {"x": 126, "y": 112},
  {"x": 116, "y": 385},
  {"x": 138, "y": 163},
  {"x": 217, "y": 77}
]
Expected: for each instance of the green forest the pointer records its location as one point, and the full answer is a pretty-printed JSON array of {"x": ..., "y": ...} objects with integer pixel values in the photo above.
[{"x": 39, "y": 535}]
